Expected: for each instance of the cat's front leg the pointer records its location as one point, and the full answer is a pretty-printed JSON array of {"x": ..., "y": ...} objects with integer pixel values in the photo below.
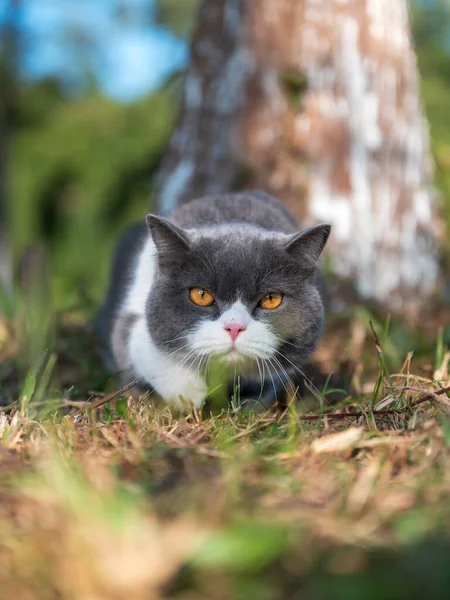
[
  {"x": 183, "y": 390},
  {"x": 176, "y": 383}
]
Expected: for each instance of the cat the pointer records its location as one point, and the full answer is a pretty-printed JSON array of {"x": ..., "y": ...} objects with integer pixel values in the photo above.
[{"x": 225, "y": 279}]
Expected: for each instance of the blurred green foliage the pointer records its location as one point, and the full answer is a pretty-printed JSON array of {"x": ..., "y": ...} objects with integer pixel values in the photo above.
[
  {"x": 431, "y": 27},
  {"x": 81, "y": 170},
  {"x": 178, "y": 17}
]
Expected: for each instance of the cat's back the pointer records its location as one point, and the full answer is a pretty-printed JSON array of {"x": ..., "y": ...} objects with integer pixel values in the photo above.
[{"x": 253, "y": 208}]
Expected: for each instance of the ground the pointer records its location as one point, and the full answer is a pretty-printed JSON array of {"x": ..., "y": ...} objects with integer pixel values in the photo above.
[{"x": 117, "y": 498}]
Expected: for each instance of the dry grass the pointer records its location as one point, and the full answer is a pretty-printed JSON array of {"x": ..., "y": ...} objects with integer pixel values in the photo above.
[{"x": 125, "y": 500}]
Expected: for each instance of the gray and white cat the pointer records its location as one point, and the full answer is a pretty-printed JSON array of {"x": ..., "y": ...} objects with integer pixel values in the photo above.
[{"x": 223, "y": 278}]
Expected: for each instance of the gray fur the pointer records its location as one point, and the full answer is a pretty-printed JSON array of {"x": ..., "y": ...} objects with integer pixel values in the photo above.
[
  {"x": 239, "y": 247},
  {"x": 253, "y": 207},
  {"x": 129, "y": 245}
]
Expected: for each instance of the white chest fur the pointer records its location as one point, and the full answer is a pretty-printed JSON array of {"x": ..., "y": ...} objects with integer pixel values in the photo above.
[{"x": 173, "y": 381}]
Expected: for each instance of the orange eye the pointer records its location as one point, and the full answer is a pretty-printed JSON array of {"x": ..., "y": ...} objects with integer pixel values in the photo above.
[
  {"x": 201, "y": 297},
  {"x": 271, "y": 301}
]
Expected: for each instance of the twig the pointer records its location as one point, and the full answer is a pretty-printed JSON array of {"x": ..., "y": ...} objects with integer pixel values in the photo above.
[
  {"x": 431, "y": 396},
  {"x": 341, "y": 415},
  {"x": 377, "y": 339},
  {"x": 106, "y": 399},
  {"x": 379, "y": 413},
  {"x": 354, "y": 414}
]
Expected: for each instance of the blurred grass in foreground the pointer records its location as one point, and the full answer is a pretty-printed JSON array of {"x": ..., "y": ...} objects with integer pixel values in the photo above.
[{"x": 129, "y": 501}]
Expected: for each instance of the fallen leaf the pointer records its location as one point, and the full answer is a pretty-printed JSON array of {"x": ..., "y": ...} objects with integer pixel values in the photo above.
[{"x": 338, "y": 442}]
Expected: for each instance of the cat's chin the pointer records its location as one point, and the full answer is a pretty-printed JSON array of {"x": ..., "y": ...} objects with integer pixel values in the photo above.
[{"x": 234, "y": 357}]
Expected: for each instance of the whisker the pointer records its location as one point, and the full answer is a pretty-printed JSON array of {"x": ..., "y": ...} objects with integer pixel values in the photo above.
[
  {"x": 177, "y": 368},
  {"x": 273, "y": 383},
  {"x": 177, "y": 350},
  {"x": 278, "y": 375},
  {"x": 316, "y": 389},
  {"x": 200, "y": 363},
  {"x": 288, "y": 343},
  {"x": 175, "y": 339},
  {"x": 280, "y": 367},
  {"x": 208, "y": 363},
  {"x": 260, "y": 379}
]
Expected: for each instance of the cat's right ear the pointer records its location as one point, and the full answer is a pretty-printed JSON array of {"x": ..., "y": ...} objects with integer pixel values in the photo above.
[{"x": 171, "y": 242}]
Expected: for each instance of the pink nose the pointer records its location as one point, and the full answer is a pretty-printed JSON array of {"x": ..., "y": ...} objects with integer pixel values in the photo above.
[{"x": 234, "y": 330}]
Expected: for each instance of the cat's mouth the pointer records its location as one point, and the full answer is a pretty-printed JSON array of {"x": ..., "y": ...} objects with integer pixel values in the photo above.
[
  {"x": 239, "y": 356},
  {"x": 253, "y": 345},
  {"x": 233, "y": 356}
]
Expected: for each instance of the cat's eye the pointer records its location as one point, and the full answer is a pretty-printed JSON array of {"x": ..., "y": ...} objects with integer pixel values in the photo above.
[
  {"x": 201, "y": 297},
  {"x": 271, "y": 300}
]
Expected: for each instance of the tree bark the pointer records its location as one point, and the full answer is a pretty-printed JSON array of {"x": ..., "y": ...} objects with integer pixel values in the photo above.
[
  {"x": 202, "y": 155},
  {"x": 318, "y": 104}
]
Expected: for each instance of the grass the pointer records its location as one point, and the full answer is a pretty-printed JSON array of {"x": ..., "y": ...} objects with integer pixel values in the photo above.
[{"x": 117, "y": 498}]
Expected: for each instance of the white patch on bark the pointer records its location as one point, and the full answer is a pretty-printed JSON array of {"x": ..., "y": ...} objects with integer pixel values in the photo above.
[
  {"x": 229, "y": 89},
  {"x": 201, "y": 155},
  {"x": 354, "y": 81},
  {"x": 379, "y": 231},
  {"x": 175, "y": 184},
  {"x": 329, "y": 209},
  {"x": 193, "y": 91}
]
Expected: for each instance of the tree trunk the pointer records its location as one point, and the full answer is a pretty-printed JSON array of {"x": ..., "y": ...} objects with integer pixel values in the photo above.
[
  {"x": 317, "y": 103},
  {"x": 203, "y": 153}
]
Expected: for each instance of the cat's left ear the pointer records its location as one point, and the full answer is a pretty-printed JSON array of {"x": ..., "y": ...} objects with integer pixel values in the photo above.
[
  {"x": 309, "y": 243},
  {"x": 171, "y": 242}
]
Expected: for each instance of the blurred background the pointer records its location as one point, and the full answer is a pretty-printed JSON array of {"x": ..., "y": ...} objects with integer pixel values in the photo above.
[{"x": 89, "y": 95}]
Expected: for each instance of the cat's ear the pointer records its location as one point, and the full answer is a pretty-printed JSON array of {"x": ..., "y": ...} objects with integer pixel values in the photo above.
[
  {"x": 307, "y": 245},
  {"x": 171, "y": 242}
]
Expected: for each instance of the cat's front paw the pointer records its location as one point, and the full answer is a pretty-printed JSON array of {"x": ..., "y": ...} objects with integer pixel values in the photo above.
[{"x": 185, "y": 393}]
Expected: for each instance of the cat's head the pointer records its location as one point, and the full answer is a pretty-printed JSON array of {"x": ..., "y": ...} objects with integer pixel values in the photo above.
[{"x": 236, "y": 293}]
